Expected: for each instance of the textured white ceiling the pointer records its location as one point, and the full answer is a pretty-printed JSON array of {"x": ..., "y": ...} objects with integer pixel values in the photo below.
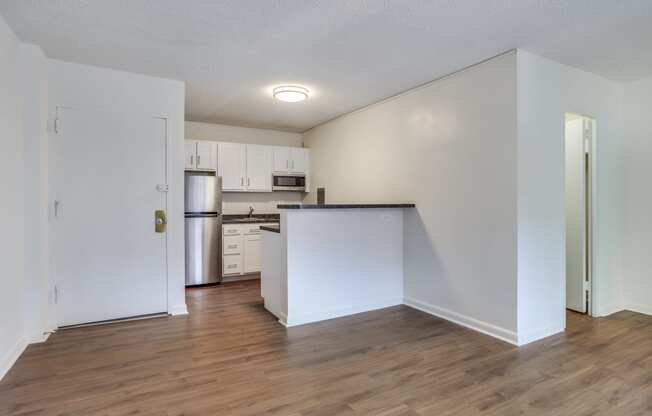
[{"x": 349, "y": 53}]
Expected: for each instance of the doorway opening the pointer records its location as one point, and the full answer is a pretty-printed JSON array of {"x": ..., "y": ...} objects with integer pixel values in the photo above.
[{"x": 579, "y": 142}]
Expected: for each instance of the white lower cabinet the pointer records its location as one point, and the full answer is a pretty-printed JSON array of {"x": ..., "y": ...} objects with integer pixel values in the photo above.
[
  {"x": 252, "y": 248},
  {"x": 241, "y": 248}
]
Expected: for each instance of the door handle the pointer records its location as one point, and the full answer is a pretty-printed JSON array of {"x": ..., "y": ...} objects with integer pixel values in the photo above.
[{"x": 160, "y": 221}]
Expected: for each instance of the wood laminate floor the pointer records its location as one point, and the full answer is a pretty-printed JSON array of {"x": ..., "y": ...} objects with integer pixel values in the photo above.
[{"x": 230, "y": 357}]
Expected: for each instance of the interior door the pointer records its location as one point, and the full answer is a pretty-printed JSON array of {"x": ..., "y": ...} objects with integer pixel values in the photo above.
[
  {"x": 259, "y": 168},
  {"x": 576, "y": 296},
  {"x": 109, "y": 260},
  {"x": 231, "y": 165}
]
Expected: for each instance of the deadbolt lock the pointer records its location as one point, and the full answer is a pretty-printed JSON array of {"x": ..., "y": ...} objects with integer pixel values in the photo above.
[{"x": 160, "y": 221}]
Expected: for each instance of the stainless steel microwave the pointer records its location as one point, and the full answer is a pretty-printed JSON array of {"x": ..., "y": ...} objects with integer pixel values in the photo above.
[{"x": 295, "y": 183}]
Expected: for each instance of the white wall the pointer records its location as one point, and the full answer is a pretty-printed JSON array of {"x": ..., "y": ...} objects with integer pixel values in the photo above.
[
  {"x": 546, "y": 91},
  {"x": 262, "y": 203},
  {"x": 238, "y": 202},
  {"x": 223, "y": 133},
  {"x": 637, "y": 280},
  {"x": 81, "y": 85},
  {"x": 12, "y": 233},
  {"x": 450, "y": 147}
]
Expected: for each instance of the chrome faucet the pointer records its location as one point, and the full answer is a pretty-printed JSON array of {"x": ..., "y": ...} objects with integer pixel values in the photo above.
[{"x": 251, "y": 211}]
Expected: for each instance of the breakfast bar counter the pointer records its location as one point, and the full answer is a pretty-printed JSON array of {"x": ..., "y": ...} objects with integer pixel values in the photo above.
[{"x": 332, "y": 260}]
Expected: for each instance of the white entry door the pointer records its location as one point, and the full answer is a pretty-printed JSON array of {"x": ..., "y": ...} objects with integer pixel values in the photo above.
[{"x": 109, "y": 261}]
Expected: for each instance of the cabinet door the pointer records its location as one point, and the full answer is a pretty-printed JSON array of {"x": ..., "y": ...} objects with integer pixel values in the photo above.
[
  {"x": 282, "y": 159},
  {"x": 191, "y": 152},
  {"x": 259, "y": 168},
  {"x": 299, "y": 159},
  {"x": 231, "y": 166},
  {"x": 206, "y": 156},
  {"x": 252, "y": 253}
]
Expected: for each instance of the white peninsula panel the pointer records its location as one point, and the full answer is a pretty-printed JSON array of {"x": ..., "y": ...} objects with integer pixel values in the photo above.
[{"x": 331, "y": 262}]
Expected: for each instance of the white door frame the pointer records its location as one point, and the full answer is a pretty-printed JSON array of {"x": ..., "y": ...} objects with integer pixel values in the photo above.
[{"x": 53, "y": 175}]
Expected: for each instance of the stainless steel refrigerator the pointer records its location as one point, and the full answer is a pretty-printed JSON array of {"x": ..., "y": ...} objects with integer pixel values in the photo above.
[{"x": 203, "y": 217}]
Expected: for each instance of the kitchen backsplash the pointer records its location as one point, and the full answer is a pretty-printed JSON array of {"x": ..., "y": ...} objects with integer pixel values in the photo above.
[{"x": 263, "y": 203}]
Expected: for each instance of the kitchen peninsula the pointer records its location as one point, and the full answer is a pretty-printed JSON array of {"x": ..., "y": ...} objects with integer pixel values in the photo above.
[{"x": 331, "y": 260}]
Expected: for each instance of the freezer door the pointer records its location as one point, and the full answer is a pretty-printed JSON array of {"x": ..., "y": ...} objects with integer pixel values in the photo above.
[
  {"x": 203, "y": 192},
  {"x": 203, "y": 250}
]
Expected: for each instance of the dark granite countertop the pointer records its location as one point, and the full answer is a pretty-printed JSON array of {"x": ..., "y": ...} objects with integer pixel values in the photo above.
[
  {"x": 342, "y": 206},
  {"x": 244, "y": 218},
  {"x": 272, "y": 228}
]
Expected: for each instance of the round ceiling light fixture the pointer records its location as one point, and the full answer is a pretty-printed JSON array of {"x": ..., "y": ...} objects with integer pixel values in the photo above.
[{"x": 291, "y": 93}]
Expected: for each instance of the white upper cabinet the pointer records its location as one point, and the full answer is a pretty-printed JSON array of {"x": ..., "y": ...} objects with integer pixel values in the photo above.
[
  {"x": 231, "y": 166},
  {"x": 247, "y": 167},
  {"x": 200, "y": 155},
  {"x": 300, "y": 159},
  {"x": 291, "y": 160},
  {"x": 282, "y": 159},
  {"x": 191, "y": 154},
  {"x": 259, "y": 168},
  {"x": 206, "y": 156}
]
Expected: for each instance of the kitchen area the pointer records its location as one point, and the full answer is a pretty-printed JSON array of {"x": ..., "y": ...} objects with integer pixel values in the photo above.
[{"x": 231, "y": 190}]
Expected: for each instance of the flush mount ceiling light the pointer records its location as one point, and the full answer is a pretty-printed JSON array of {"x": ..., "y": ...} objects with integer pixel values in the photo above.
[{"x": 290, "y": 93}]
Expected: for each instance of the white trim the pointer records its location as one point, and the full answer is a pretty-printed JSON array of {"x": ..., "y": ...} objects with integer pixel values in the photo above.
[
  {"x": 539, "y": 334},
  {"x": 323, "y": 316},
  {"x": 178, "y": 310},
  {"x": 283, "y": 319},
  {"x": 639, "y": 308},
  {"x": 466, "y": 321},
  {"x": 11, "y": 356},
  {"x": 38, "y": 338},
  {"x": 607, "y": 310}
]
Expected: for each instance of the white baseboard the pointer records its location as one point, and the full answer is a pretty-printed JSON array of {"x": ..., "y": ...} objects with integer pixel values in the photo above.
[
  {"x": 294, "y": 320},
  {"x": 607, "y": 310},
  {"x": 541, "y": 333},
  {"x": 9, "y": 358},
  {"x": 472, "y": 323},
  {"x": 38, "y": 337},
  {"x": 178, "y": 310},
  {"x": 639, "y": 308}
]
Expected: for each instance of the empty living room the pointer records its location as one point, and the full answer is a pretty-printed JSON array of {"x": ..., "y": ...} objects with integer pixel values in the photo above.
[{"x": 325, "y": 208}]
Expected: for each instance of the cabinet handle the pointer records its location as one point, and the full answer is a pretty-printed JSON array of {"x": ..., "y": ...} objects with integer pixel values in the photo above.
[
  {"x": 198, "y": 160},
  {"x": 287, "y": 164},
  {"x": 231, "y": 266},
  {"x": 248, "y": 181},
  {"x": 241, "y": 181},
  {"x": 233, "y": 246},
  {"x": 292, "y": 164},
  {"x": 192, "y": 161}
]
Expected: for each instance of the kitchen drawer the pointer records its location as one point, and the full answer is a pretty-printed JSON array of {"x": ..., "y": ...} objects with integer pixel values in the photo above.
[
  {"x": 232, "y": 229},
  {"x": 232, "y": 245},
  {"x": 254, "y": 228},
  {"x": 232, "y": 264}
]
